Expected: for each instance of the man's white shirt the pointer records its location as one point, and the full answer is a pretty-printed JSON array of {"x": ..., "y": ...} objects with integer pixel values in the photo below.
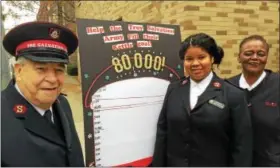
[{"x": 38, "y": 109}]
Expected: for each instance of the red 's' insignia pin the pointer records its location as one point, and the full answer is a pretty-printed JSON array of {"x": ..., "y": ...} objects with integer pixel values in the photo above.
[
  {"x": 19, "y": 109},
  {"x": 184, "y": 82},
  {"x": 217, "y": 84},
  {"x": 54, "y": 33},
  {"x": 271, "y": 104}
]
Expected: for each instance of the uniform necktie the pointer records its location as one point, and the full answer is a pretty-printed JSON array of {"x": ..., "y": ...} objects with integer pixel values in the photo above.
[{"x": 48, "y": 116}]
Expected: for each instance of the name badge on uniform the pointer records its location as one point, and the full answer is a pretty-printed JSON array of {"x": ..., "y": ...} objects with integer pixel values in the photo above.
[{"x": 217, "y": 104}]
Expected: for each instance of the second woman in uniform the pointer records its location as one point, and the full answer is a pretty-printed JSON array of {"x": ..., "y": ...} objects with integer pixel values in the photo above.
[
  {"x": 204, "y": 120},
  {"x": 262, "y": 88}
]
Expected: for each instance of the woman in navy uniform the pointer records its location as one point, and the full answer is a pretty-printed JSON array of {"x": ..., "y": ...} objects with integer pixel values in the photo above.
[
  {"x": 37, "y": 127},
  {"x": 262, "y": 88},
  {"x": 204, "y": 120}
]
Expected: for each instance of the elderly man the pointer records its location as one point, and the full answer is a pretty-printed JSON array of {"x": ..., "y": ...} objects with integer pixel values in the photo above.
[{"x": 36, "y": 120}]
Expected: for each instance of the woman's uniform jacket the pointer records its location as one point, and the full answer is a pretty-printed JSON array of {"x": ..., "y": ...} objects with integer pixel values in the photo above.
[
  {"x": 29, "y": 140},
  {"x": 216, "y": 132},
  {"x": 264, "y": 106}
]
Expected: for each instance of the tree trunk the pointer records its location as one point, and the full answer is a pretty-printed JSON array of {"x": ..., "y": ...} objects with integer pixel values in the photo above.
[{"x": 59, "y": 13}]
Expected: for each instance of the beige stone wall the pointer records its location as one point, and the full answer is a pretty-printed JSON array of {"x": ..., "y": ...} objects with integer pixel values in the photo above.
[{"x": 227, "y": 21}]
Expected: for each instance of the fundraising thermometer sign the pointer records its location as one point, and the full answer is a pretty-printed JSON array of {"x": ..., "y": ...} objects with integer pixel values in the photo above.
[{"x": 125, "y": 68}]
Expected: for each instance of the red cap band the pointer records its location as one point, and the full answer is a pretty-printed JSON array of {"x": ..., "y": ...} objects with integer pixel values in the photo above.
[{"x": 41, "y": 43}]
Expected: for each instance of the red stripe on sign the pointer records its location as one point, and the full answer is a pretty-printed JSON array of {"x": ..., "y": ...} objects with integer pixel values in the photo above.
[
  {"x": 41, "y": 43},
  {"x": 138, "y": 163}
]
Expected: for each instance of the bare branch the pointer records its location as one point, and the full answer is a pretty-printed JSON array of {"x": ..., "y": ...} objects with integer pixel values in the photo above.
[
  {"x": 57, "y": 12},
  {"x": 71, "y": 3},
  {"x": 24, "y": 5}
]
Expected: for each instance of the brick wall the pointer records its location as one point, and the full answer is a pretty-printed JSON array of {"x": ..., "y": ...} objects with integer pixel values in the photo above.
[{"x": 227, "y": 21}]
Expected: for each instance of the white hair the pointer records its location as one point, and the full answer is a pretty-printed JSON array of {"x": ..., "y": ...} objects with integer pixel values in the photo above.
[
  {"x": 21, "y": 61},
  {"x": 13, "y": 61}
]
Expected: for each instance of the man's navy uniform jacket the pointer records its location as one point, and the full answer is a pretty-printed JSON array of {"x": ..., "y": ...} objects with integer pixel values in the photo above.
[{"x": 28, "y": 139}]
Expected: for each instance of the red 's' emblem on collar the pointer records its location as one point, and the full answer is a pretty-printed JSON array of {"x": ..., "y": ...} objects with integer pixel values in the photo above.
[
  {"x": 271, "y": 104},
  {"x": 19, "y": 109},
  {"x": 184, "y": 82},
  {"x": 217, "y": 84}
]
